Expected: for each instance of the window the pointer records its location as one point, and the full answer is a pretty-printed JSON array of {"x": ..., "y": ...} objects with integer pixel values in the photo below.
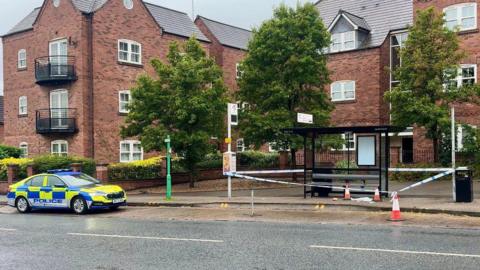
[
  {"x": 240, "y": 145},
  {"x": 60, "y": 148},
  {"x": 129, "y": 52},
  {"x": 343, "y": 41},
  {"x": 123, "y": 101},
  {"x": 53, "y": 181},
  {"x": 24, "y": 150},
  {"x": 238, "y": 71},
  {"x": 22, "y": 105},
  {"x": 462, "y": 16},
  {"x": 37, "y": 181},
  {"x": 463, "y": 135},
  {"x": 397, "y": 41},
  {"x": 128, "y": 4},
  {"x": 22, "y": 59},
  {"x": 466, "y": 75},
  {"x": 343, "y": 90},
  {"x": 349, "y": 142},
  {"x": 273, "y": 147},
  {"x": 130, "y": 151}
]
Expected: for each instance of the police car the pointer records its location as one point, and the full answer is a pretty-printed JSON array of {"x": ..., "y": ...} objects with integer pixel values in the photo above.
[{"x": 64, "y": 189}]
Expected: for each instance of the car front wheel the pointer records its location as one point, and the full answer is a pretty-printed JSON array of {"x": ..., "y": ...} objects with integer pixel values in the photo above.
[
  {"x": 79, "y": 206},
  {"x": 22, "y": 205}
]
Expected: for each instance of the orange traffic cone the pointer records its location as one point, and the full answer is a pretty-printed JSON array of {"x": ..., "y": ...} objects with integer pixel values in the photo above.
[
  {"x": 376, "y": 197},
  {"x": 396, "y": 215},
  {"x": 347, "y": 195}
]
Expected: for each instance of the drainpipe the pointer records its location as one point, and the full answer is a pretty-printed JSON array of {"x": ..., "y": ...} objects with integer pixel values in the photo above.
[{"x": 90, "y": 93}]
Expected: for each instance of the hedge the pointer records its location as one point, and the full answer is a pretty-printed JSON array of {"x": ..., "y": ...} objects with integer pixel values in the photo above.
[
  {"x": 9, "y": 152},
  {"x": 413, "y": 176},
  {"x": 137, "y": 170},
  {"x": 21, "y": 162},
  {"x": 42, "y": 164},
  {"x": 258, "y": 160}
]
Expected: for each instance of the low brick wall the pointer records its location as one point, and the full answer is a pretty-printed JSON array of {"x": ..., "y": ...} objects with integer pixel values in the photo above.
[{"x": 3, "y": 187}]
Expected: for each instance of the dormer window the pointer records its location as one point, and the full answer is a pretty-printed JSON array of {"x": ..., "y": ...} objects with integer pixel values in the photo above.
[
  {"x": 343, "y": 42},
  {"x": 348, "y": 31}
]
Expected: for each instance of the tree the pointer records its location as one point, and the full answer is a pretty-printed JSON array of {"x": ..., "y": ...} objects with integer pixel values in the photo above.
[
  {"x": 284, "y": 73},
  {"x": 186, "y": 100},
  {"x": 426, "y": 93}
]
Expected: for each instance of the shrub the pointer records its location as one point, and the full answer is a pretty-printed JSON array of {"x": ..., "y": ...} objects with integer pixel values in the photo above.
[
  {"x": 137, "y": 170},
  {"x": 42, "y": 164},
  {"x": 21, "y": 162},
  {"x": 257, "y": 160},
  {"x": 9, "y": 152},
  {"x": 413, "y": 176},
  {"x": 212, "y": 161}
]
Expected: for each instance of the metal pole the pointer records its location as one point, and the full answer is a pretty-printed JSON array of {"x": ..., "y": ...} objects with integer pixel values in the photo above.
[
  {"x": 169, "y": 176},
  {"x": 253, "y": 207},
  {"x": 229, "y": 136},
  {"x": 453, "y": 154}
]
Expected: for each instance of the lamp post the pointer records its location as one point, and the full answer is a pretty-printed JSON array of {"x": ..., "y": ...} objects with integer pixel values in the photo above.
[{"x": 169, "y": 176}]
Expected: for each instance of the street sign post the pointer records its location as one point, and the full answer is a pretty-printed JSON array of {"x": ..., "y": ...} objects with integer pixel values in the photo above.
[
  {"x": 169, "y": 176},
  {"x": 232, "y": 121}
]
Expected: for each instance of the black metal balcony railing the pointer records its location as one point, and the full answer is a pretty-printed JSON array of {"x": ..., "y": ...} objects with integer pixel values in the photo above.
[
  {"x": 55, "y": 69},
  {"x": 55, "y": 121}
]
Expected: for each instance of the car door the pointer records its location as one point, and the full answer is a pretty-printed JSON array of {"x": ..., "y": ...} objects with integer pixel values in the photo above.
[
  {"x": 55, "y": 192},
  {"x": 34, "y": 190}
]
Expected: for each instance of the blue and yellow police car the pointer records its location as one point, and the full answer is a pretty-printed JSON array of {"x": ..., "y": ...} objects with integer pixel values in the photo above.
[{"x": 64, "y": 189}]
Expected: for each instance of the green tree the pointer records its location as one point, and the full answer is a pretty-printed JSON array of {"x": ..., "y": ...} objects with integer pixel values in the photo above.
[
  {"x": 426, "y": 91},
  {"x": 285, "y": 73},
  {"x": 186, "y": 100}
]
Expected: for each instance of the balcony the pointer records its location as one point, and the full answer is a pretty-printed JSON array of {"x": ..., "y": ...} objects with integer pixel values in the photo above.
[
  {"x": 55, "y": 70},
  {"x": 56, "y": 121}
]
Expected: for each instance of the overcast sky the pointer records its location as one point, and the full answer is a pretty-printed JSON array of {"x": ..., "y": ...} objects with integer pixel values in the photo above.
[{"x": 243, "y": 13}]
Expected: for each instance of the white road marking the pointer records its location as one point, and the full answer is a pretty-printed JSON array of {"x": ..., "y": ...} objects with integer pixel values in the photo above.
[
  {"x": 7, "y": 230},
  {"x": 146, "y": 237},
  {"x": 399, "y": 251}
]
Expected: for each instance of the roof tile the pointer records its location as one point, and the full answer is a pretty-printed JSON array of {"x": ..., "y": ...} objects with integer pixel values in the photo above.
[{"x": 228, "y": 35}]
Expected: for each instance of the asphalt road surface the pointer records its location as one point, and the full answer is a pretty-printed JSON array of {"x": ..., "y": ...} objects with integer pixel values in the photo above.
[{"x": 65, "y": 241}]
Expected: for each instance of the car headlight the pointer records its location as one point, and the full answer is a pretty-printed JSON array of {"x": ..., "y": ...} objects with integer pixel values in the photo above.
[{"x": 98, "y": 194}]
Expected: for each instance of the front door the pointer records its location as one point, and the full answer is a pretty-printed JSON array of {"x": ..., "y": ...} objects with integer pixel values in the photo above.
[
  {"x": 34, "y": 191},
  {"x": 58, "y": 53},
  {"x": 54, "y": 192},
  {"x": 59, "y": 109}
]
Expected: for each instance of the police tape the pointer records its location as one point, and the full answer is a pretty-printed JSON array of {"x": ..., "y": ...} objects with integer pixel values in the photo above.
[
  {"x": 445, "y": 172},
  {"x": 298, "y": 184}
]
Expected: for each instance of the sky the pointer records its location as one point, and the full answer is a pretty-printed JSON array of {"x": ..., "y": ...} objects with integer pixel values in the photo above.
[{"x": 242, "y": 13}]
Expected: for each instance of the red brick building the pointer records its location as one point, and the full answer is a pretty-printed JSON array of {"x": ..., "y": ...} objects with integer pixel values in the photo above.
[
  {"x": 366, "y": 36},
  {"x": 68, "y": 66}
]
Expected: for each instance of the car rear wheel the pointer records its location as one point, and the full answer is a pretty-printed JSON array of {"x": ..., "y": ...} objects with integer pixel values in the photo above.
[
  {"x": 22, "y": 205},
  {"x": 79, "y": 206}
]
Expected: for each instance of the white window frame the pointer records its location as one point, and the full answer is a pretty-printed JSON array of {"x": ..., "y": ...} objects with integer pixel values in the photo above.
[
  {"x": 458, "y": 8},
  {"x": 459, "y": 142},
  {"x": 342, "y": 41},
  {"x": 342, "y": 90},
  {"x": 344, "y": 146},
  {"x": 23, "y": 105},
  {"x": 129, "y": 52},
  {"x": 120, "y": 102},
  {"x": 128, "y": 4},
  {"x": 401, "y": 37},
  {"x": 130, "y": 153},
  {"x": 238, "y": 72},
  {"x": 459, "y": 79},
  {"x": 241, "y": 145},
  {"x": 59, "y": 143},
  {"x": 24, "y": 148},
  {"x": 22, "y": 59},
  {"x": 272, "y": 146}
]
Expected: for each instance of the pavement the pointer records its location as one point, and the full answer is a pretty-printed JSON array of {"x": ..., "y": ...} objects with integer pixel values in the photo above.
[{"x": 126, "y": 240}]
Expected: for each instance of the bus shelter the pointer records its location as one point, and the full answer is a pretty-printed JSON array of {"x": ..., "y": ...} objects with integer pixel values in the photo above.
[{"x": 361, "y": 162}]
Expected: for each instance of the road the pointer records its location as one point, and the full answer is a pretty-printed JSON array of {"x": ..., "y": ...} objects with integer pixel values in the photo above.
[{"x": 107, "y": 242}]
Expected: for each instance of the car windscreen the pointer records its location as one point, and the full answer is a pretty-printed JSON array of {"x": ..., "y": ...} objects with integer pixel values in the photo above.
[{"x": 79, "y": 180}]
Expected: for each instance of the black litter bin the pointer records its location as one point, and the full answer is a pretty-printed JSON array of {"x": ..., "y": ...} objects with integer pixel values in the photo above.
[{"x": 464, "y": 186}]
